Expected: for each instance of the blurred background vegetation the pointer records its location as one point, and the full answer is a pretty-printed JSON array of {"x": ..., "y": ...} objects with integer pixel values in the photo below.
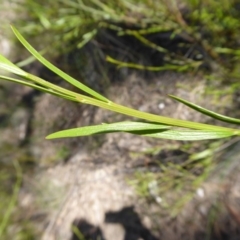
[{"x": 199, "y": 36}]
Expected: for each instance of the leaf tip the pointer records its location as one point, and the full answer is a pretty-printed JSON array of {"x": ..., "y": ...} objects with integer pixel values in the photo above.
[
  {"x": 48, "y": 137},
  {"x": 172, "y": 96},
  {"x": 12, "y": 27}
]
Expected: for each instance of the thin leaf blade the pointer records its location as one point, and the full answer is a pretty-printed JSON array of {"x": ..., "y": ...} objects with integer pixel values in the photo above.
[
  {"x": 56, "y": 70},
  {"x": 8, "y": 66},
  {"x": 206, "y": 111},
  {"x": 190, "y": 135},
  {"x": 38, "y": 87},
  {"x": 104, "y": 128}
]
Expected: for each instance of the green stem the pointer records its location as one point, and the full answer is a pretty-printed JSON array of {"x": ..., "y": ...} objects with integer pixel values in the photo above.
[{"x": 151, "y": 117}]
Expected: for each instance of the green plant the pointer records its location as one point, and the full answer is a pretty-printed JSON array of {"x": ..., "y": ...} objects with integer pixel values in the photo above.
[
  {"x": 73, "y": 24},
  {"x": 9, "y": 201},
  {"x": 157, "y": 126},
  {"x": 176, "y": 178},
  {"x": 76, "y": 23},
  {"x": 77, "y": 232}
]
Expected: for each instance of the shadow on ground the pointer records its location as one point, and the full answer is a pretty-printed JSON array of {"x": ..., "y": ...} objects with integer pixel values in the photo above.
[
  {"x": 127, "y": 217},
  {"x": 84, "y": 230}
]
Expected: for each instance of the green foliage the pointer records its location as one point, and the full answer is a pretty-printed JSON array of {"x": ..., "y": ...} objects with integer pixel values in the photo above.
[
  {"x": 73, "y": 24},
  {"x": 174, "y": 184},
  {"x": 198, "y": 131},
  {"x": 8, "y": 200},
  {"x": 177, "y": 177},
  {"x": 207, "y": 112},
  {"x": 202, "y": 23},
  {"x": 211, "y": 25},
  {"x": 77, "y": 232}
]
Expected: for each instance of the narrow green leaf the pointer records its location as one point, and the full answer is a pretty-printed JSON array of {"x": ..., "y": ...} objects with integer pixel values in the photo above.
[
  {"x": 56, "y": 70},
  {"x": 40, "y": 88},
  {"x": 206, "y": 111},
  {"x": 13, "y": 201},
  {"x": 104, "y": 128},
  {"x": 30, "y": 59},
  {"x": 175, "y": 67},
  {"x": 152, "y": 117},
  {"x": 190, "y": 135},
  {"x": 6, "y": 65}
]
